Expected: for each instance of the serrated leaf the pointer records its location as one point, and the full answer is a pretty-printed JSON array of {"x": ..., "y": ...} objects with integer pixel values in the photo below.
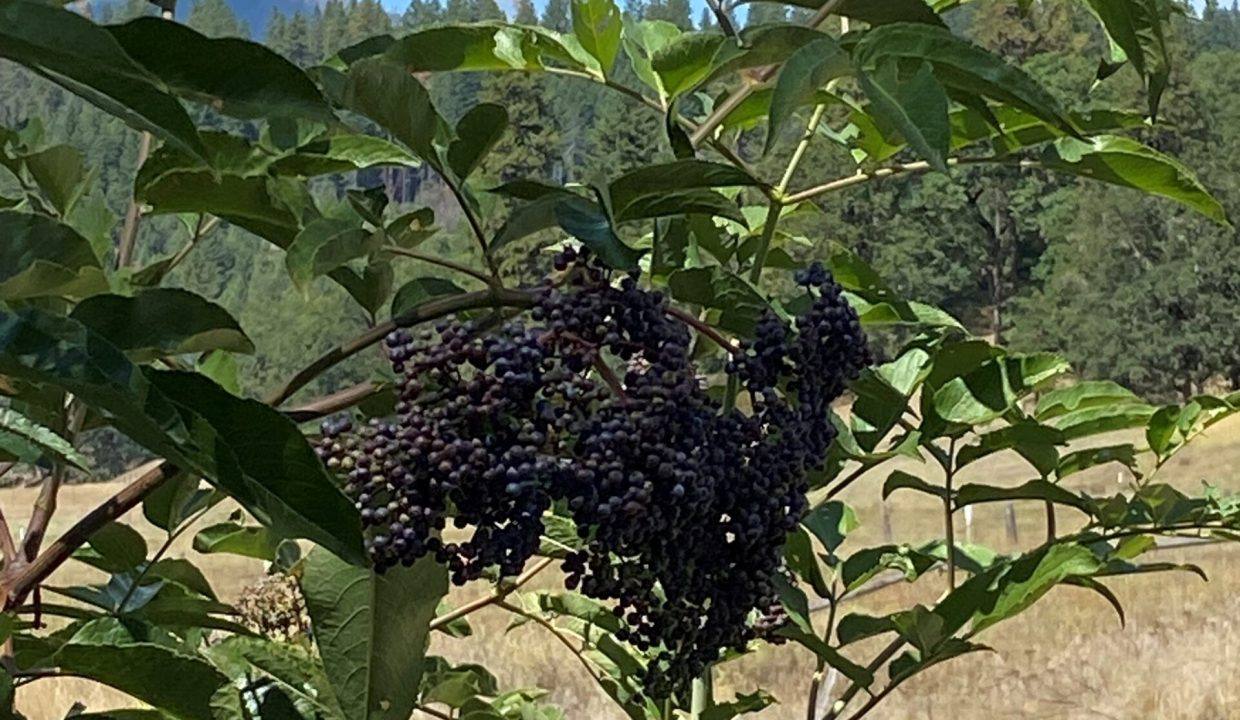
[
  {"x": 230, "y": 75},
  {"x": 914, "y": 106},
  {"x": 1128, "y": 163},
  {"x": 16, "y": 429},
  {"x": 807, "y": 70},
  {"x": 392, "y": 97},
  {"x": 273, "y": 472},
  {"x": 41, "y": 257},
  {"x": 480, "y": 46},
  {"x": 477, "y": 133},
  {"x": 679, "y": 175},
  {"x": 960, "y": 65},
  {"x": 831, "y": 523},
  {"x": 326, "y": 244},
  {"x": 372, "y": 630},
  {"x": 974, "y": 493},
  {"x": 60, "y": 172},
  {"x": 419, "y": 290},
  {"x": 87, "y": 60},
  {"x": 119, "y": 545},
  {"x": 900, "y": 480},
  {"x": 343, "y": 152},
  {"x": 1035, "y": 442},
  {"x": 162, "y": 321},
  {"x": 248, "y": 449},
  {"x": 253, "y": 541},
  {"x": 106, "y": 652},
  {"x": 597, "y": 25}
]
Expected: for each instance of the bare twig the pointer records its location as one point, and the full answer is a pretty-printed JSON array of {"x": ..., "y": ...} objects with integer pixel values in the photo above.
[
  {"x": 499, "y": 595},
  {"x": 8, "y": 548},
  {"x": 28, "y": 576}
]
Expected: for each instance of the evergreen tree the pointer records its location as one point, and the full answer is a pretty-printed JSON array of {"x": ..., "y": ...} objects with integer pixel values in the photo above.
[
  {"x": 421, "y": 13},
  {"x": 529, "y": 148},
  {"x": 526, "y": 15},
  {"x": 558, "y": 16},
  {"x": 277, "y": 37},
  {"x": 766, "y": 13},
  {"x": 677, "y": 12},
  {"x": 301, "y": 41},
  {"x": 216, "y": 19},
  {"x": 486, "y": 10},
  {"x": 333, "y": 28},
  {"x": 459, "y": 11},
  {"x": 622, "y": 137},
  {"x": 706, "y": 21},
  {"x": 366, "y": 19}
]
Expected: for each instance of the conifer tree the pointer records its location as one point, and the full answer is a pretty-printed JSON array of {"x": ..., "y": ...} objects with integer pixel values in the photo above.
[
  {"x": 216, "y": 19},
  {"x": 557, "y": 16}
]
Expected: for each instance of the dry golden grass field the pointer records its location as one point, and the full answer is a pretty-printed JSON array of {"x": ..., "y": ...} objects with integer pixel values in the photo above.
[{"x": 1178, "y": 658}]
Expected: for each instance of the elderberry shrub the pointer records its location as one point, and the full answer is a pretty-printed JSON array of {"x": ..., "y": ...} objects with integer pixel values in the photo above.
[{"x": 683, "y": 506}]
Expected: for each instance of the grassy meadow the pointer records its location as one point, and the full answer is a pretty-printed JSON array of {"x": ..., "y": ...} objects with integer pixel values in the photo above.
[{"x": 1068, "y": 657}]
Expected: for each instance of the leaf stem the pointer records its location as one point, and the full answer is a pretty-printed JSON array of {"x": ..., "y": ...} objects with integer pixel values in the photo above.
[
  {"x": 853, "y": 688},
  {"x": 810, "y": 128},
  {"x": 498, "y": 596},
  {"x": 441, "y": 262},
  {"x": 863, "y": 468},
  {"x": 546, "y": 625},
  {"x": 864, "y": 176},
  {"x": 738, "y": 96},
  {"x": 429, "y": 310},
  {"x": 815, "y": 685},
  {"x": 205, "y": 226},
  {"x": 133, "y": 213},
  {"x": 475, "y": 225},
  {"x": 159, "y": 554},
  {"x": 764, "y": 245},
  {"x": 949, "y": 524}
]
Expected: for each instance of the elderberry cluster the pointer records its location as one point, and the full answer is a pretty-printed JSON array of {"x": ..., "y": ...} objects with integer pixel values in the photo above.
[{"x": 594, "y": 406}]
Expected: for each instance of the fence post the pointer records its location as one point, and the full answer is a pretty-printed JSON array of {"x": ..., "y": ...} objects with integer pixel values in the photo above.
[{"x": 1012, "y": 533}]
